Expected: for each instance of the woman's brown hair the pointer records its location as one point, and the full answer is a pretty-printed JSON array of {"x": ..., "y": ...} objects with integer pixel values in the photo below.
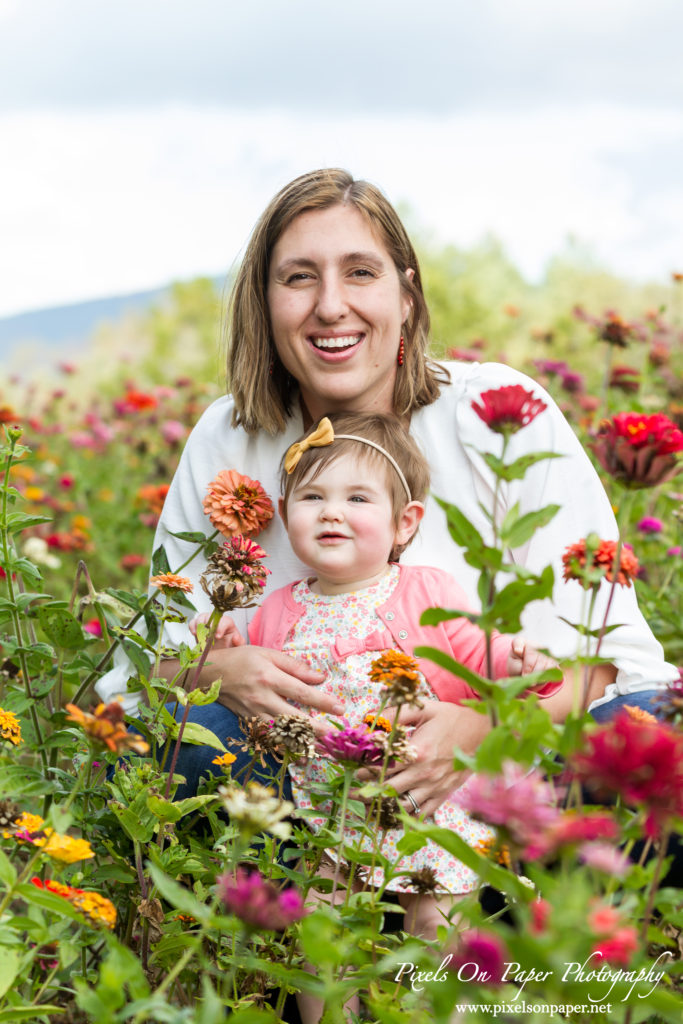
[{"x": 263, "y": 399}]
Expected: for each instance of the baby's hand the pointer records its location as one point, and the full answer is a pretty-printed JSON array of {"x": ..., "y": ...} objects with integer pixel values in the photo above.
[
  {"x": 227, "y": 633},
  {"x": 524, "y": 659}
]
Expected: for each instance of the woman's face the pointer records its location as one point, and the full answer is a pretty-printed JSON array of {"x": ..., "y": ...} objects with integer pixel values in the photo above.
[{"x": 336, "y": 310}]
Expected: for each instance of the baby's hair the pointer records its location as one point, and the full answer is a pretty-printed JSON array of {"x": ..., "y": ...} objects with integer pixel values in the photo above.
[{"x": 386, "y": 431}]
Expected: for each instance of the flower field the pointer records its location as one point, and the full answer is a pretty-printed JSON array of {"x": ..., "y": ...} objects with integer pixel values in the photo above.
[{"x": 120, "y": 904}]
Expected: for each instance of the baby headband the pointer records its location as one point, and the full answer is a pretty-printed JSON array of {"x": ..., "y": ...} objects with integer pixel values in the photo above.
[{"x": 322, "y": 436}]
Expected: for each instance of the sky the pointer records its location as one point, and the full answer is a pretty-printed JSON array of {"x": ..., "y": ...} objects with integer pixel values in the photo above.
[{"x": 141, "y": 139}]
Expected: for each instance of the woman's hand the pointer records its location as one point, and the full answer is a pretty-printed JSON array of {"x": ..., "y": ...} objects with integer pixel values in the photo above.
[
  {"x": 439, "y": 728},
  {"x": 258, "y": 681}
]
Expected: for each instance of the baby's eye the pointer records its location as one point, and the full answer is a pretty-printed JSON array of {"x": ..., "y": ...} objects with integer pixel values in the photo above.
[
  {"x": 358, "y": 497},
  {"x": 310, "y": 497}
]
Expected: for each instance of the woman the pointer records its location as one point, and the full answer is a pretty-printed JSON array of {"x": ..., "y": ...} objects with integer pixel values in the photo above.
[{"x": 328, "y": 314}]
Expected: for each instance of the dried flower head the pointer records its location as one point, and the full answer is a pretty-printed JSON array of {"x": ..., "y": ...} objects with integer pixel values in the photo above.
[
  {"x": 389, "y": 815},
  {"x": 237, "y": 505},
  {"x": 614, "y": 330},
  {"x": 638, "y": 450},
  {"x": 257, "y": 808},
  {"x": 424, "y": 881},
  {"x": 105, "y": 726},
  {"x": 257, "y": 902},
  {"x": 9, "y": 812},
  {"x": 294, "y": 734},
  {"x": 10, "y": 728},
  {"x": 591, "y": 559},
  {"x": 234, "y": 575},
  {"x": 400, "y": 674},
  {"x": 257, "y": 739},
  {"x": 506, "y": 410},
  {"x": 169, "y": 582}
]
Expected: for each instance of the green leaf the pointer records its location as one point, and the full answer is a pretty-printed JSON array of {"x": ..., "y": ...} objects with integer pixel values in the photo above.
[
  {"x": 25, "y": 568},
  {"x": 504, "y": 613},
  {"x": 7, "y": 873},
  {"x": 198, "y": 698},
  {"x": 198, "y": 734},
  {"x": 522, "y": 529},
  {"x": 460, "y": 528},
  {"x": 61, "y": 627},
  {"x": 478, "y": 683},
  {"x": 28, "y": 1012},
  {"x": 192, "y": 536},
  {"x": 517, "y": 469},
  {"x": 22, "y": 521},
  {"x": 177, "y": 895},
  {"x": 182, "y": 599},
  {"x": 433, "y": 616},
  {"x": 160, "y": 562},
  {"x": 136, "y": 656},
  {"x": 130, "y": 822}
]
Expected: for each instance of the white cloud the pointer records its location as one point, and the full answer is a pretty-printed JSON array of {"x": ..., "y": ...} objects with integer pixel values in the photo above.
[{"x": 96, "y": 205}]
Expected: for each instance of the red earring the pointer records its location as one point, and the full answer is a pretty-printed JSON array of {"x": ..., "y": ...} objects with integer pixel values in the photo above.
[
  {"x": 401, "y": 350},
  {"x": 270, "y": 367}
]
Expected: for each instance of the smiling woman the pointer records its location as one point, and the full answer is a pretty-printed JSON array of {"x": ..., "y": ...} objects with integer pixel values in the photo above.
[{"x": 328, "y": 315}]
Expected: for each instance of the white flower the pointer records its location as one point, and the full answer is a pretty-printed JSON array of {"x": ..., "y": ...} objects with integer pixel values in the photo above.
[
  {"x": 37, "y": 550},
  {"x": 257, "y": 809}
]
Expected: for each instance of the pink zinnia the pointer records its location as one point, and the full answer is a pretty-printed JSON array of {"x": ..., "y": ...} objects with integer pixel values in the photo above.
[
  {"x": 481, "y": 957},
  {"x": 522, "y": 803},
  {"x": 648, "y": 524},
  {"x": 604, "y": 857},
  {"x": 618, "y": 948},
  {"x": 569, "y": 828},
  {"x": 258, "y": 903},
  {"x": 506, "y": 410},
  {"x": 352, "y": 745}
]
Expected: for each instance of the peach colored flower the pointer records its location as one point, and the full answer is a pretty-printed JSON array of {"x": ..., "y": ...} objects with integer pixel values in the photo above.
[
  {"x": 170, "y": 581},
  {"x": 236, "y": 504},
  {"x": 106, "y": 726}
]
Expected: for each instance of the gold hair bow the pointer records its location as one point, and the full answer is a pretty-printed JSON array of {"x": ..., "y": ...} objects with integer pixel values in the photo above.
[{"x": 321, "y": 436}]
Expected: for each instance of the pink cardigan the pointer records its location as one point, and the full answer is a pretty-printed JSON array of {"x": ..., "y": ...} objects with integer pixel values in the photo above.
[{"x": 418, "y": 588}]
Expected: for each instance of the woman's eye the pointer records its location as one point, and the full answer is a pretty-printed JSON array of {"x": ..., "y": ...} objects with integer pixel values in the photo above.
[
  {"x": 299, "y": 277},
  {"x": 362, "y": 272}
]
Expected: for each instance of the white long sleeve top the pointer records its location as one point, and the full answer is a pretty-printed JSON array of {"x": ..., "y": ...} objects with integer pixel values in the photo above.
[{"x": 451, "y": 435}]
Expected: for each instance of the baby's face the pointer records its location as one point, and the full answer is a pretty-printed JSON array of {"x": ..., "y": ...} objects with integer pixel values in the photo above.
[{"x": 341, "y": 524}]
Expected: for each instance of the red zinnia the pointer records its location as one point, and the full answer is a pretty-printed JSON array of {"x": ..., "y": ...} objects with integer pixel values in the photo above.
[
  {"x": 590, "y": 559},
  {"x": 638, "y": 450},
  {"x": 640, "y": 761},
  {"x": 506, "y": 410}
]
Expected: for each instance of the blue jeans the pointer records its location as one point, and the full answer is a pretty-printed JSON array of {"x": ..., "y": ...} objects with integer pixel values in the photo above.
[
  {"x": 645, "y": 699},
  {"x": 196, "y": 761}
]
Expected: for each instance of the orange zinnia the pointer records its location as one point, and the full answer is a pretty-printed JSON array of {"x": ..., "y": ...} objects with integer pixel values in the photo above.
[
  {"x": 237, "y": 505},
  {"x": 106, "y": 726}
]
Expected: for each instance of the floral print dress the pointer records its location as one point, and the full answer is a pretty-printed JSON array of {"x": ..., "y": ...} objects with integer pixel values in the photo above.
[{"x": 313, "y": 639}]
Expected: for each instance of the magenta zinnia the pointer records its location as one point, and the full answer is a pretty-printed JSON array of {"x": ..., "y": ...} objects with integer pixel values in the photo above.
[
  {"x": 638, "y": 450},
  {"x": 642, "y": 762},
  {"x": 481, "y": 957},
  {"x": 353, "y": 745},
  {"x": 257, "y": 902},
  {"x": 236, "y": 504},
  {"x": 506, "y": 410}
]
